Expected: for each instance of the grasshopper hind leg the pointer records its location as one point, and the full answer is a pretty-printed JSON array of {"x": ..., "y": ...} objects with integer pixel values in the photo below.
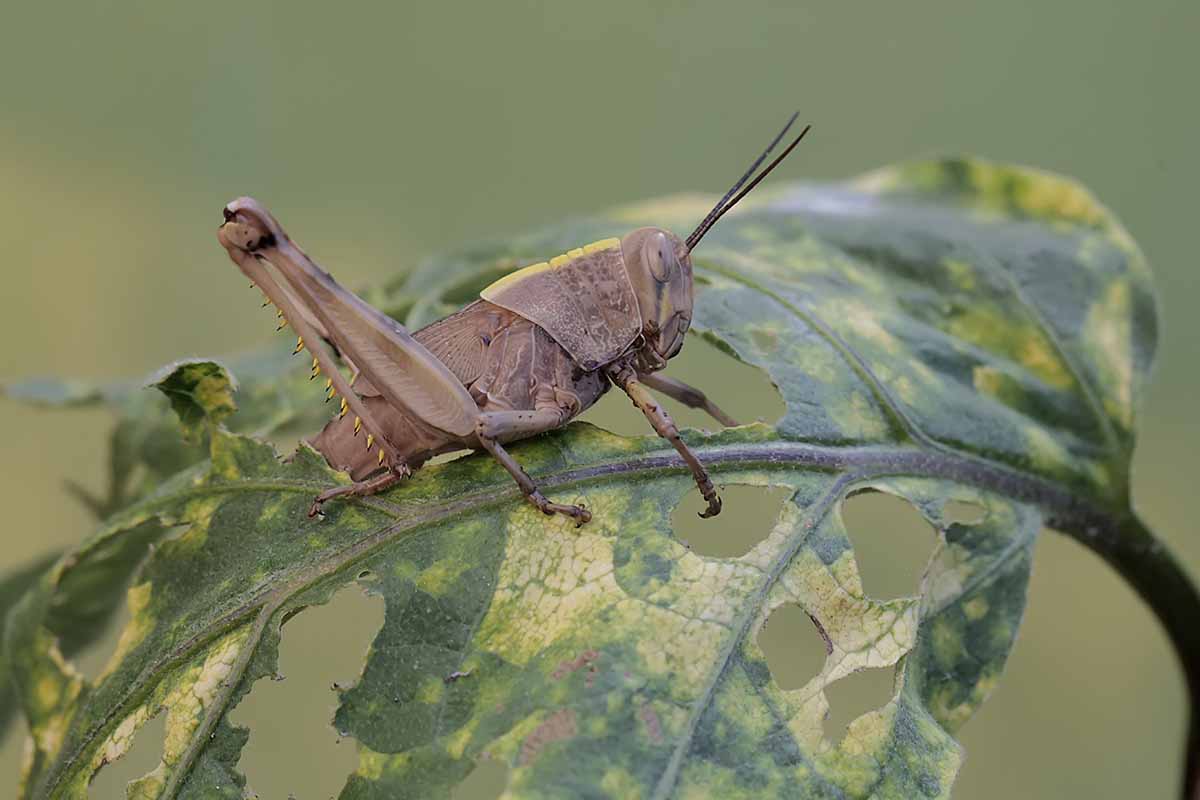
[{"x": 360, "y": 488}]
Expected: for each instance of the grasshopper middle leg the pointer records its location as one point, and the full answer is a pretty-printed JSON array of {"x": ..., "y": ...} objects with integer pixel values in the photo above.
[{"x": 690, "y": 396}]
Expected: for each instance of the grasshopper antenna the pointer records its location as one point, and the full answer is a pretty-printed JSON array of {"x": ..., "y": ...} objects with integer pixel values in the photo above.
[
  {"x": 711, "y": 217},
  {"x": 725, "y": 203}
]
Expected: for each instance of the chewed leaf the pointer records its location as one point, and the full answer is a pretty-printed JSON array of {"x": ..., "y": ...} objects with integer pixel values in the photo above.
[
  {"x": 200, "y": 392},
  {"x": 955, "y": 333}
]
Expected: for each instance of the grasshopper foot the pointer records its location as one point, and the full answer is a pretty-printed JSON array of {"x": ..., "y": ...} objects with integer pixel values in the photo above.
[
  {"x": 577, "y": 513},
  {"x": 714, "y": 507}
]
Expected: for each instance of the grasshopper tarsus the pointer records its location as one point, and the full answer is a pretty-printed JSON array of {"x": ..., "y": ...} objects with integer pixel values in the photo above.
[
  {"x": 714, "y": 508},
  {"x": 550, "y": 508},
  {"x": 358, "y": 489}
]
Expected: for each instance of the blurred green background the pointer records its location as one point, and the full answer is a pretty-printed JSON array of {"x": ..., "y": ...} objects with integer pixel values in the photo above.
[{"x": 382, "y": 133}]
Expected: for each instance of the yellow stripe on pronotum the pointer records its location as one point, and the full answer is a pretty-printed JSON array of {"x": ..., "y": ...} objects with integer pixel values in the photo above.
[{"x": 558, "y": 262}]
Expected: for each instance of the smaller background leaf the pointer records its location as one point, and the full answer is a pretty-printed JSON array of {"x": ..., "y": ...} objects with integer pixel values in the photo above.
[
  {"x": 200, "y": 392},
  {"x": 12, "y": 586}
]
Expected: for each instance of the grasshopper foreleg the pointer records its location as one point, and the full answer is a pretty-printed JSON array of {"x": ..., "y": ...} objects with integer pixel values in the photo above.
[
  {"x": 690, "y": 396},
  {"x": 664, "y": 426},
  {"x": 494, "y": 426}
]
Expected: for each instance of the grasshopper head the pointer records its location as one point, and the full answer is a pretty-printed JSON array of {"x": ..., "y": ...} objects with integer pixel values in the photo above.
[
  {"x": 660, "y": 270},
  {"x": 248, "y": 227},
  {"x": 660, "y": 266}
]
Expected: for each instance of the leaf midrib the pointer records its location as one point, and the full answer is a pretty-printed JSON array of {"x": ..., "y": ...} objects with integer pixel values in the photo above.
[
  {"x": 750, "y": 612},
  {"x": 1064, "y": 508}
]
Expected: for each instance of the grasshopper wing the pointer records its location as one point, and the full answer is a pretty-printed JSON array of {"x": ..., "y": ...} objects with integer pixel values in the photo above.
[
  {"x": 460, "y": 341},
  {"x": 407, "y": 375},
  {"x": 583, "y": 299}
]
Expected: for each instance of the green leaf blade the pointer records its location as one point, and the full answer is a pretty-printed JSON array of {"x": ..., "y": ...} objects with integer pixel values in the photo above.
[{"x": 945, "y": 332}]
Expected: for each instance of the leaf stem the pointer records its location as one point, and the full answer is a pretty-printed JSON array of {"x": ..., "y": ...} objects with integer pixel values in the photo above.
[{"x": 1138, "y": 556}]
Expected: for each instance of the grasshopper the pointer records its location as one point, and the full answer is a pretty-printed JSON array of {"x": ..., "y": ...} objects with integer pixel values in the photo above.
[{"x": 536, "y": 349}]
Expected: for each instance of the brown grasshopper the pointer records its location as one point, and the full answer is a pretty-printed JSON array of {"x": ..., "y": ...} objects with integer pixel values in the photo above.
[{"x": 538, "y": 348}]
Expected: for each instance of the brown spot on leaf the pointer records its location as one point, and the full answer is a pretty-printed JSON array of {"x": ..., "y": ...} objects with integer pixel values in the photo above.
[
  {"x": 824, "y": 635},
  {"x": 565, "y": 668},
  {"x": 651, "y": 722},
  {"x": 556, "y": 727}
]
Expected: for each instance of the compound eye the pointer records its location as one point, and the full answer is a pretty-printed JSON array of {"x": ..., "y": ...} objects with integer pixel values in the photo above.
[{"x": 660, "y": 256}]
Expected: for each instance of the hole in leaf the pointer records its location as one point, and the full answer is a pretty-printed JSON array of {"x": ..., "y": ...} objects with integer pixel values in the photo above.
[
  {"x": 765, "y": 340},
  {"x": 142, "y": 757},
  {"x": 963, "y": 513},
  {"x": 741, "y": 390},
  {"x": 486, "y": 782},
  {"x": 94, "y": 657},
  {"x": 747, "y": 515},
  {"x": 293, "y": 748},
  {"x": 92, "y": 606},
  {"x": 793, "y": 645},
  {"x": 892, "y": 542},
  {"x": 12, "y": 743},
  {"x": 855, "y": 695}
]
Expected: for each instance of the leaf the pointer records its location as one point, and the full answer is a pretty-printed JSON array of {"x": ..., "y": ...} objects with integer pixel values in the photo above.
[
  {"x": 201, "y": 394},
  {"x": 12, "y": 586},
  {"x": 951, "y": 331},
  {"x": 146, "y": 447}
]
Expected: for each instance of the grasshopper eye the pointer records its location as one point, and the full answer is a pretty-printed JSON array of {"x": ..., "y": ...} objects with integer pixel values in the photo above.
[{"x": 661, "y": 259}]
